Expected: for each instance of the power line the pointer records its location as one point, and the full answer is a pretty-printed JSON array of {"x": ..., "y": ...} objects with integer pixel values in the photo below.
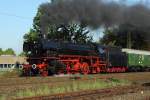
[{"x": 14, "y": 15}]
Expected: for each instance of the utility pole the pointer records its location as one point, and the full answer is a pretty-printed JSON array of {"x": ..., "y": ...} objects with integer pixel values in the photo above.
[{"x": 129, "y": 44}]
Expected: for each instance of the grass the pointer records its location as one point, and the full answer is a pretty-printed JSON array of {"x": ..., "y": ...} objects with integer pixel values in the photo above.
[
  {"x": 3, "y": 97},
  {"x": 10, "y": 73},
  {"x": 73, "y": 86}
]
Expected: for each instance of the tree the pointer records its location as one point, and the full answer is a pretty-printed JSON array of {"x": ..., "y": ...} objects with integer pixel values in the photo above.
[
  {"x": 9, "y": 51},
  {"x": 31, "y": 36},
  {"x": 67, "y": 32},
  {"x": 70, "y": 33},
  {"x": 36, "y": 21},
  {"x": 1, "y": 51},
  {"x": 22, "y": 54},
  {"x": 127, "y": 36},
  {"x": 109, "y": 38}
]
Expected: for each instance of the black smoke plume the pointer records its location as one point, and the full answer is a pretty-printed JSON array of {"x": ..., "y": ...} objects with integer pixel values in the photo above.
[{"x": 94, "y": 14}]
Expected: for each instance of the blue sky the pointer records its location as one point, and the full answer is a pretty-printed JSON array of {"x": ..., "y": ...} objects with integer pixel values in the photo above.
[{"x": 16, "y": 18}]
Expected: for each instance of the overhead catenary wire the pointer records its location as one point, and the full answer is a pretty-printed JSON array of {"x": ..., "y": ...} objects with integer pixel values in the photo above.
[{"x": 16, "y": 16}]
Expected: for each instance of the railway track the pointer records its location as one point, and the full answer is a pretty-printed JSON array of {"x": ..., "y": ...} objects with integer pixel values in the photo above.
[
  {"x": 138, "y": 77},
  {"x": 92, "y": 94},
  {"x": 10, "y": 85},
  {"x": 52, "y": 81}
]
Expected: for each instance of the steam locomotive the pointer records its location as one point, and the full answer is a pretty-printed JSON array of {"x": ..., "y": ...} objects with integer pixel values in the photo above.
[{"x": 47, "y": 57}]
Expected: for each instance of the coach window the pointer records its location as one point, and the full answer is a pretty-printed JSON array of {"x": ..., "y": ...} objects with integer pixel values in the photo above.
[
  {"x": 5, "y": 65},
  {"x": 9, "y": 65},
  {"x": 13, "y": 65},
  {"x": 1, "y": 65}
]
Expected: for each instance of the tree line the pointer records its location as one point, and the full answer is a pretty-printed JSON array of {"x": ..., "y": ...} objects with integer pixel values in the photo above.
[
  {"x": 125, "y": 35},
  {"x": 8, "y": 51}
]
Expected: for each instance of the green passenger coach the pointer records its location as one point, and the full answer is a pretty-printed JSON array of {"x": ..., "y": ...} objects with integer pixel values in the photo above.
[{"x": 137, "y": 60}]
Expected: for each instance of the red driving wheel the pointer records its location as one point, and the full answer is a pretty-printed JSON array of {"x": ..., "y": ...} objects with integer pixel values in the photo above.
[{"x": 85, "y": 68}]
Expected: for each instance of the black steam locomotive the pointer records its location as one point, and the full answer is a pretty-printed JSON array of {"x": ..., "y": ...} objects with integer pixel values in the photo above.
[{"x": 47, "y": 57}]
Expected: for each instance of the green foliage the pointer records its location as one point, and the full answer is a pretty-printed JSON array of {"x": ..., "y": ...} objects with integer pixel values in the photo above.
[
  {"x": 68, "y": 32},
  {"x": 109, "y": 38},
  {"x": 127, "y": 36},
  {"x": 22, "y": 54},
  {"x": 8, "y": 51},
  {"x": 1, "y": 51},
  {"x": 72, "y": 33},
  {"x": 36, "y": 21},
  {"x": 31, "y": 36}
]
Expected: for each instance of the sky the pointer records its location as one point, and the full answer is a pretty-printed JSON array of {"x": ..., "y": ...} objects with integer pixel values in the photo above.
[{"x": 16, "y": 18}]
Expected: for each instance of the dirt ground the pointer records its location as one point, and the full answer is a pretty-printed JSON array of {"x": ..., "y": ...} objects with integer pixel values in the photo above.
[
  {"x": 117, "y": 93},
  {"x": 140, "y": 95},
  {"x": 8, "y": 85}
]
